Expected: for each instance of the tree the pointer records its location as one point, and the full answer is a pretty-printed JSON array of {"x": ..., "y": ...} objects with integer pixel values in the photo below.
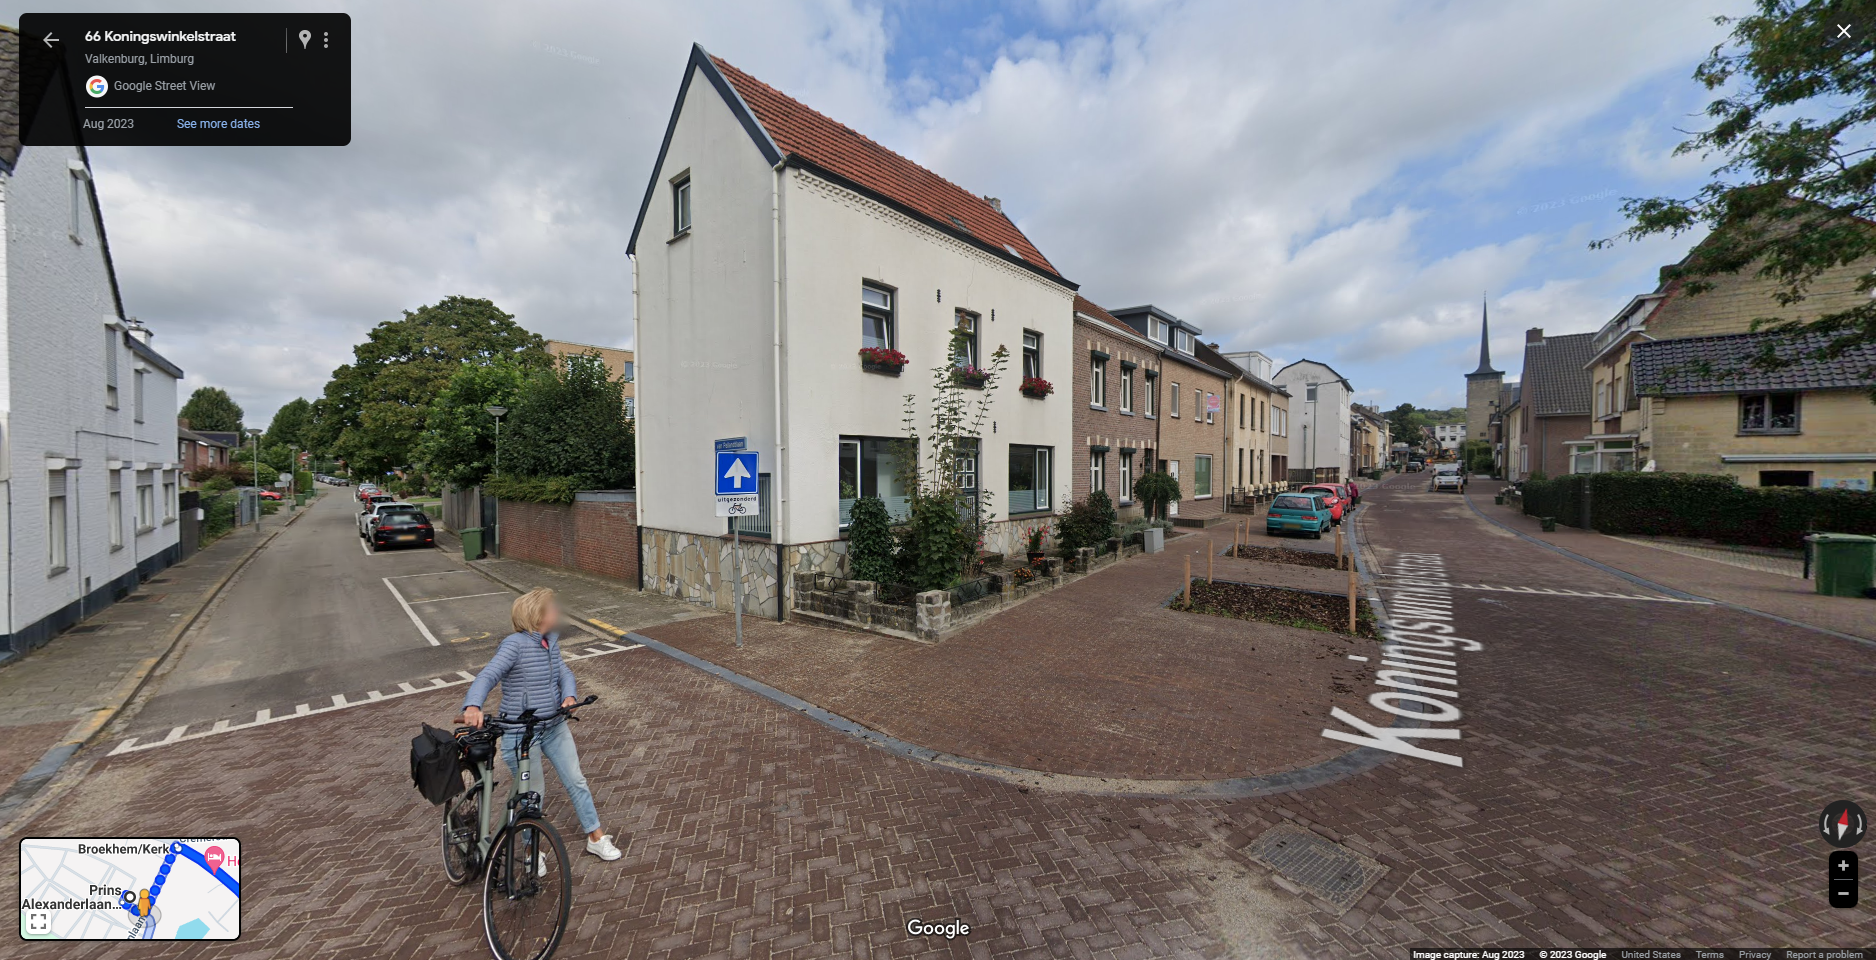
[
  {"x": 375, "y": 408},
  {"x": 1155, "y": 489},
  {"x": 289, "y": 424},
  {"x": 1402, "y": 425},
  {"x": 458, "y": 443},
  {"x": 1792, "y": 197},
  {"x": 569, "y": 421},
  {"x": 211, "y": 408},
  {"x": 940, "y": 541}
]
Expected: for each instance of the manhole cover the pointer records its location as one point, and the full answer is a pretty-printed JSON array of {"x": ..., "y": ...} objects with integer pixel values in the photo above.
[{"x": 1322, "y": 867}]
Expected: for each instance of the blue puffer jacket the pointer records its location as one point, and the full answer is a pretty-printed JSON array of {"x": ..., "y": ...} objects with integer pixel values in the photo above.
[{"x": 529, "y": 668}]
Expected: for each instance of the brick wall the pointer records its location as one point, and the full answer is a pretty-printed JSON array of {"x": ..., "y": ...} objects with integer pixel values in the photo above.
[
  {"x": 1185, "y": 437},
  {"x": 1736, "y": 300},
  {"x": 597, "y": 537},
  {"x": 1111, "y": 427},
  {"x": 1691, "y": 433}
]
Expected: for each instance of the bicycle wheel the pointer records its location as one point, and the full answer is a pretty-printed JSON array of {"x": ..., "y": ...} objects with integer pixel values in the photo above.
[
  {"x": 462, "y": 829},
  {"x": 527, "y": 892}
]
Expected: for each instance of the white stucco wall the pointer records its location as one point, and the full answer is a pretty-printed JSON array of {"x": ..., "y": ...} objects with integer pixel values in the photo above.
[
  {"x": 1327, "y": 418},
  {"x": 834, "y": 241},
  {"x": 704, "y": 334},
  {"x": 58, "y": 295}
]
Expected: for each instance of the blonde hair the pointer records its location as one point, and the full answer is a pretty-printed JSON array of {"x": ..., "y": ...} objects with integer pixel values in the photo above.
[{"x": 529, "y": 613}]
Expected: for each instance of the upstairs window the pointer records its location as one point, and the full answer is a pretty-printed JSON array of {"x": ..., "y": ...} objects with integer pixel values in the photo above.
[
  {"x": 1768, "y": 413},
  {"x": 876, "y": 326},
  {"x": 680, "y": 206},
  {"x": 1152, "y": 388},
  {"x": 1032, "y": 354},
  {"x": 1126, "y": 388},
  {"x": 1156, "y": 329},
  {"x": 1097, "y": 382},
  {"x": 1174, "y": 395},
  {"x": 964, "y": 350},
  {"x": 1183, "y": 341},
  {"x": 110, "y": 368},
  {"x": 627, "y": 373}
]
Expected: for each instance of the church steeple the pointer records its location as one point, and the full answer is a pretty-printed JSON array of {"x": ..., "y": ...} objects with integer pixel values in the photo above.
[{"x": 1485, "y": 346}]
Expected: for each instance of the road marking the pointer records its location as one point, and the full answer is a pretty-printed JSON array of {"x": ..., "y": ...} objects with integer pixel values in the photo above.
[
  {"x": 340, "y": 701},
  {"x": 440, "y": 573},
  {"x": 467, "y": 596},
  {"x": 362, "y": 546},
  {"x": 1553, "y": 592},
  {"x": 1362, "y": 659},
  {"x": 427, "y": 635}
]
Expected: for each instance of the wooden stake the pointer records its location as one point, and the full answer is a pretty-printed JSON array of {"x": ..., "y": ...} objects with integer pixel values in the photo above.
[
  {"x": 1338, "y": 546},
  {"x": 1351, "y": 598},
  {"x": 1211, "y": 555},
  {"x": 1188, "y": 600}
]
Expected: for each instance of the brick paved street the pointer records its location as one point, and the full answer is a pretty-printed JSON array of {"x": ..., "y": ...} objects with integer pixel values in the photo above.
[{"x": 1636, "y": 771}]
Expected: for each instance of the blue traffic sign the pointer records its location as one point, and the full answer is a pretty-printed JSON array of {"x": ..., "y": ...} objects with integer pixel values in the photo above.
[{"x": 736, "y": 474}]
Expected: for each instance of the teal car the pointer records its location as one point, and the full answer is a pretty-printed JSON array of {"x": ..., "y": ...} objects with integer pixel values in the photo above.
[{"x": 1300, "y": 512}]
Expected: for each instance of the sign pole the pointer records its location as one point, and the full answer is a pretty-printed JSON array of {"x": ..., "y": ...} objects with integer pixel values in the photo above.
[{"x": 736, "y": 548}]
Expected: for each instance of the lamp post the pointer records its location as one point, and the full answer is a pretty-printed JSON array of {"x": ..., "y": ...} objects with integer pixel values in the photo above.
[
  {"x": 496, "y": 411},
  {"x": 255, "y": 432},
  {"x": 1309, "y": 416},
  {"x": 293, "y": 466}
]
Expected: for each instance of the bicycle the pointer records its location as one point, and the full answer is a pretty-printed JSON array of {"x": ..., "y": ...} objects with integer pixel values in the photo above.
[{"x": 521, "y": 859}]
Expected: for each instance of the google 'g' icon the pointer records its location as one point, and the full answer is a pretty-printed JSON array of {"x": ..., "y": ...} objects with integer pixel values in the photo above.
[{"x": 97, "y": 86}]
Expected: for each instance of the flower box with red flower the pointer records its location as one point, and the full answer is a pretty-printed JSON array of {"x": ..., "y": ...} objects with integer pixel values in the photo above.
[
  {"x": 1036, "y": 388},
  {"x": 882, "y": 360},
  {"x": 967, "y": 375}
]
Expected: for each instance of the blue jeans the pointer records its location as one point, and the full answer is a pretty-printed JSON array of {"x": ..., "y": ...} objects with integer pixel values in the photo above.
[{"x": 556, "y": 744}]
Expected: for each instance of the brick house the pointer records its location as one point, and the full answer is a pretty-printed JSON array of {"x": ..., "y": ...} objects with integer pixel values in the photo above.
[
  {"x": 618, "y": 362},
  {"x": 1116, "y": 422},
  {"x": 1189, "y": 402},
  {"x": 196, "y": 451},
  {"x": 1553, "y": 402}
]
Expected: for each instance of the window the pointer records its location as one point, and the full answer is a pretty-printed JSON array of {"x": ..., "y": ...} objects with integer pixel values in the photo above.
[
  {"x": 1309, "y": 393},
  {"x": 1240, "y": 467},
  {"x": 1156, "y": 329},
  {"x": 1126, "y": 476},
  {"x": 136, "y": 395},
  {"x": 1032, "y": 354},
  {"x": 1184, "y": 341},
  {"x": 1097, "y": 470},
  {"x": 680, "y": 206},
  {"x": 1263, "y": 416},
  {"x": 1126, "y": 388},
  {"x": 1174, "y": 394},
  {"x": 758, "y": 524},
  {"x": 966, "y": 469},
  {"x": 169, "y": 496},
  {"x": 869, "y": 467},
  {"x": 55, "y": 521},
  {"x": 964, "y": 346},
  {"x": 876, "y": 326},
  {"x": 1240, "y": 411},
  {"x": 1768, "y": 413},
  {"x": 631, "y": 408},
  {"x": 1029, "y": 478},
  {"x": 114, "y": 514},
  {"x": 628, "y": 375},
  {"x": 78, "y": 177},
  {"x": 1152, "y": 384},
  {"x": 1097, "y": 382},
  {"x": 1202, "y": 476},
  {"x": 1211, "y": 404},
  {"x": 1784, "y": 478},
  {"x": 146, "y": 502},
  {"x": 110, "y": 368}
]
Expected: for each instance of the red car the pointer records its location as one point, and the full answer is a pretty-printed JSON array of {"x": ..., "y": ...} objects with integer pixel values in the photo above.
[
  {"x": 1333, "y": 493},
  {"x": 272, "y": 495}
]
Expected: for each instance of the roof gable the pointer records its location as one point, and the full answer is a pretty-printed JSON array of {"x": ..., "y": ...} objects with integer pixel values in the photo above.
[{"x": 1554, "y": 382}]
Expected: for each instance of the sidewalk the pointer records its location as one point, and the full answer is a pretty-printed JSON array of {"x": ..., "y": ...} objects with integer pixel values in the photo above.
[
  {"x": 1764, "y": 591},
  {"x": 56, "y": 698}
]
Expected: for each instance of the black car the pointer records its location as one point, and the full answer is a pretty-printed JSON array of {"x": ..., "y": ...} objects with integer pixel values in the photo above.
[{"x": 402, "y": 529}]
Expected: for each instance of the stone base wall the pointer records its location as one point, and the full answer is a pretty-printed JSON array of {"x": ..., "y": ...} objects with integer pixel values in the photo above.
[{"x": 702, "y": 569}]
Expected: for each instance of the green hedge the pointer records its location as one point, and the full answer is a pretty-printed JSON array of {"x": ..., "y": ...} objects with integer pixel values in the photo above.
[
  {"x": 530, "y": 489},
  {"x": 1704, "y": 506}
]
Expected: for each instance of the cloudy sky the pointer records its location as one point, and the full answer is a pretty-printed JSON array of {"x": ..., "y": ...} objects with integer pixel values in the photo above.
[{"x": 1341, "y": 181}]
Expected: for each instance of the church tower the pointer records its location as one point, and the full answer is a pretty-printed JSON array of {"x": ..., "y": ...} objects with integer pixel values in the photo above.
[{"x": 1482, "y": 385}]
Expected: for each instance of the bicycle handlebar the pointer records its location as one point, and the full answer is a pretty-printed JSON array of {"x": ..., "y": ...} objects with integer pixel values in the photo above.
[{"x": 529, "y": 718}]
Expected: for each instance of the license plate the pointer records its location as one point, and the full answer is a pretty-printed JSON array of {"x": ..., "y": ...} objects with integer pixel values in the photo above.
[{"x": 405, "y": 536}]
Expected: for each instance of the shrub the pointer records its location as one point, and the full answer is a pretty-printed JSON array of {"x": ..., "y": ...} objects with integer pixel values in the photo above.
[
  {"x": 217, "y": 484},
  {"x": 869, "y": 541},
  {"x": 1702, "y": 506},
  {"x": 218, "y": 514},
  {"x": 303, "y": 482},
  {"x": 1086, "y": 524},
  {"x": 1155, "y": 489},
  {"x": 530, "y": 489},
  {"x": 935, "y": 545}
]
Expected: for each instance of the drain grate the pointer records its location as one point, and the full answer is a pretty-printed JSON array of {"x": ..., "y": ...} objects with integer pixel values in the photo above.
[{"x": 1320, "y": 866}]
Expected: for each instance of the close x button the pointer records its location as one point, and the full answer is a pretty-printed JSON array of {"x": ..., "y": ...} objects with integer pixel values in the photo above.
[{"x": 1843, "y": 876}]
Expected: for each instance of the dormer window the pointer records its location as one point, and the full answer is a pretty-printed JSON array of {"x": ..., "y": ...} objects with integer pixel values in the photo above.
[{"x": 1182, "y": 341}]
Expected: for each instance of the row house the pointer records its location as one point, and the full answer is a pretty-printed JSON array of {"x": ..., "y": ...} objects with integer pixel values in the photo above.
[
  {"x": 87, "y": 405},
  {"x": 196, "y": 452},
  {"x": 1320, "y": 443},
  {"x": 1260, "y": 416},
  {"x": 1553, "y": 404},
  {"x": 1368, "y": 445},
  {"x": 1190, "y": 398},
  {"x": 774, "y": 245},
  {"x": 1117, "y": 407}
]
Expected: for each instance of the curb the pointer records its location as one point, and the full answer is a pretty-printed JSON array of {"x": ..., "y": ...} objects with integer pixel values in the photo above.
[{"x": 35, "y": 780}]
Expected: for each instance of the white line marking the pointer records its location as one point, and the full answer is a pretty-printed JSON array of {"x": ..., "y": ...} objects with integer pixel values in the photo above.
[
  {"x": 1362, "y": 659},
  {"x": 427, "y": 635},
  {"x": 362, "y": 546},
  {"x": 466, "y": 596},
  {"x": 1553, "y": 592},
  {"x": 264, "y": 718},
  {"x": 440, "y": 573}
]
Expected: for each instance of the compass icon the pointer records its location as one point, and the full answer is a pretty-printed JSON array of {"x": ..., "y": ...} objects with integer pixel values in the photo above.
[{"x": 1842, "y": 824}]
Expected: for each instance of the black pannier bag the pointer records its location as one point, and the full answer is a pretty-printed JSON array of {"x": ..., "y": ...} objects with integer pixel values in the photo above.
[{"x": 436, "y": 764}]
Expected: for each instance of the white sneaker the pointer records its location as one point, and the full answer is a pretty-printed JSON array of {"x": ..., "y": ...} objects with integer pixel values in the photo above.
[{"x": 603, "y": 848}]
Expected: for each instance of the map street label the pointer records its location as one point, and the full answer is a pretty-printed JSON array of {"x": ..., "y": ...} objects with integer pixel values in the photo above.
[{"x": 138, "y": 888}]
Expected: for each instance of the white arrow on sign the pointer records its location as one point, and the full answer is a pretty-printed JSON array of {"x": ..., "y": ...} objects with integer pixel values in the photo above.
[{"x": 737, "y": 472}]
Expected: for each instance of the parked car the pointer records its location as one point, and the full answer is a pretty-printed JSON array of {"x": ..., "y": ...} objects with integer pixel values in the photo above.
[
  {"x": 1448, "y": 476},
  {"x": 1331, "y": 492},
  {"x": 267, "y": 494},
  {"x": 1415, "y": 466},
  {"x": 379, "y": 509},
  {"x": 366, "y": 490},
  {"x": 403, "y": 528},
  {"x": 1303, "y": 512}
]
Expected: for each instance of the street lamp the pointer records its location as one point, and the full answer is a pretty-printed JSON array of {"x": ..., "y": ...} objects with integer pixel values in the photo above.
[
  {"x": 255, "y": 432},
  {"x": 1309, "y": 416},
  {"x": 496, "y": 411}
]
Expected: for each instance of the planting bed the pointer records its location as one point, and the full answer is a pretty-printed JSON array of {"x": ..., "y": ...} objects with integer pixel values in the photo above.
[
  {"x": 1290, "y": 608},
  {"x": 1301, "y": 558}
]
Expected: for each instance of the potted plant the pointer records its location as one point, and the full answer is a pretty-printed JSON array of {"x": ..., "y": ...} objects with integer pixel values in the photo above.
[
  {"x": 884, "y": 360},
  {"x": 1035, "y": 546},
  {"x": 969, "y": 375},
  {"x": 1036, "y": 388}
]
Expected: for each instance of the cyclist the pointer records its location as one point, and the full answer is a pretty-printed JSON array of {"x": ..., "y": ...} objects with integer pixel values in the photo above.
[{"x": 533, "y": 676}]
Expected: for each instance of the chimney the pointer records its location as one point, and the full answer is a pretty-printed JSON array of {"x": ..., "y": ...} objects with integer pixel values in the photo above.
[
  {"x": 995, "y": 204},
  {"x": 1534, "y": 335}
]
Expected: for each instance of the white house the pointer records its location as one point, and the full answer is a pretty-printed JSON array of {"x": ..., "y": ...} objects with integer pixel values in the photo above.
[
  {"x": 1320, "y": 402},
  {"x": 87, "y": 407},
  {"x": 1449, "y": 435},
  {"x": 772, "y": 245}
]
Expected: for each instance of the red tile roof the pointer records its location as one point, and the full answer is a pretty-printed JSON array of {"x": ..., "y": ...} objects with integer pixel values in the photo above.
[{"x": 802, "y": 132}]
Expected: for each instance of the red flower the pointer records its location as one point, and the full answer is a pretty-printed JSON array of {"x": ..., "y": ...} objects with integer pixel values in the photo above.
[
  {"x": 882, "y": 356},
  {"x": 1037, "y": 387}
]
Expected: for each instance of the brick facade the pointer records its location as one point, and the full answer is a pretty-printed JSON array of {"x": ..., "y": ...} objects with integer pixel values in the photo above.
[
  {"x": 1120, "y": 426},
  {"x": 597, "y": 537},
  {"x": 1190, "y": 434}
]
